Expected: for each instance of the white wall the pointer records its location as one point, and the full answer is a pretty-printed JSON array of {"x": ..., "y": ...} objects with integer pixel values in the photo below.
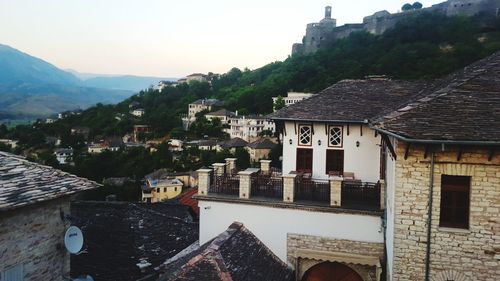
[
  {"x": 364, "y": 160},
  {"x": 390, "y": 180},
  {"x": 271, "y": 225}
]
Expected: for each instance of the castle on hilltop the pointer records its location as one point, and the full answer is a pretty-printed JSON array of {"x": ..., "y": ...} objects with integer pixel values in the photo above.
[{"x": 325, "y": 32}]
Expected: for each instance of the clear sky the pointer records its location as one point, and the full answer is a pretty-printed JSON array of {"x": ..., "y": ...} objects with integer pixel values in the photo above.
[{"x": 168, "y": 38}]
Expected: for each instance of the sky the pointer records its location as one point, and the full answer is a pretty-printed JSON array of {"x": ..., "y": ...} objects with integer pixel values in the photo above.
[{"x": 168, "y": 38}]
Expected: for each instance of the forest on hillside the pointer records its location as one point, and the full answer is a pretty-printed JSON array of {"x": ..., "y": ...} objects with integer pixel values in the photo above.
[{"x": 424, "y": 46}]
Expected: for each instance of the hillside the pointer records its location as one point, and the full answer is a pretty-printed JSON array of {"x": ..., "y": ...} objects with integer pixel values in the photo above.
[
  {"x": 426, "y": 46},
  {"x": 31, "y": 88}
]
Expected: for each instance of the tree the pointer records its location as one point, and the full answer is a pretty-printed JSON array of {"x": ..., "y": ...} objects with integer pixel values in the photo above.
[
  {"x": 417, "y": 6},
  {"x": 279, "y": 103},
  {"x": 407, "y": 7}
]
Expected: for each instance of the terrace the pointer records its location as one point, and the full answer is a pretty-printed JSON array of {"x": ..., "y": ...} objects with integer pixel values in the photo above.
[{"x": 269, "y": 186}]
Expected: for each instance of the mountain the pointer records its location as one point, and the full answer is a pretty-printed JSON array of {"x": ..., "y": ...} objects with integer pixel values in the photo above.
[
  {"x": 33, "y": 88},
  {"x": 118, "y": 82}
]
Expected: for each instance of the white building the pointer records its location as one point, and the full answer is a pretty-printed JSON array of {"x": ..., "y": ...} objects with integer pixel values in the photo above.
[
  {"x": 249, "y": 127},
  {"x": 64, "y": 155},
  {"x": 139, "y": 112},
  {"x": 223, "y": 115},
  {"x": 293, "y": 98},
  {"x": 197, "y": 107},
  {"x": 199, "y": 77}
]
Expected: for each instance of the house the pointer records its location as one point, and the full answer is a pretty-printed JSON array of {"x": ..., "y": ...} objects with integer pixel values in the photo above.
[
  {"x": 232, "y": 144},
  {"x": 126, "y": 241},
  {"x": 139, "y": 112},
  {"x": 175, "y": 145},
  {"x": 134, "y": 105},
  {"x": 379, "y": 175},
  {"x": 34, "y": 212},
  {"x": 198, "y": 77},
  {"x": 249, "y": 127},
  {"x": 140, "y": 131},
  {"x": 208, "y": 144},
  {"x": 109, "y": 144},
  {"x": 9, "y": 142},
  {"x": 223, "y": 115},
  {"x": 260, "y": 149},
  {"x": 187, "y": 199},
  {"x": 293, "y": 98},
  {"x": 64, "y": 155},
  {"x": 160, "y": 186},
  {"x": 235, "y": 254},
  {"x": 197, "y": 107}
]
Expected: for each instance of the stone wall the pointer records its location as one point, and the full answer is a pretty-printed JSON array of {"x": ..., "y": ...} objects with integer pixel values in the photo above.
[
  {"x": 305, "y": 251},
  {"x": 456, "y": 254},
  {"x": 33, "y": 236}
]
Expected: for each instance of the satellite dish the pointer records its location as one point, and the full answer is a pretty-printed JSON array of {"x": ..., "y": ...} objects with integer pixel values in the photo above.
[{"x": 73, "y": 240}]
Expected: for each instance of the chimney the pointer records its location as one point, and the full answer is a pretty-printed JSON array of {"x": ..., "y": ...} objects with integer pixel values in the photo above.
[{"x": 236, "y": 113}]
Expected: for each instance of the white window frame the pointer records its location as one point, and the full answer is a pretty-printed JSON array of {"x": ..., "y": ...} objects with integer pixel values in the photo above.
[
  {"x": 301, "y": 135},
  {"x": 339, "y": 136}
]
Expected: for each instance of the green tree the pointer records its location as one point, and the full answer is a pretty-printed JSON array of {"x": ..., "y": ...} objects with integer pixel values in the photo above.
[{"x": 279, "y": 103}]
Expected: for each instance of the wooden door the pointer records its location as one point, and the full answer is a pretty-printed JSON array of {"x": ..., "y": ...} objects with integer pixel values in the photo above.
[
  {"x": 304, "y": 160},
  {"x": 331, "y": 271}
]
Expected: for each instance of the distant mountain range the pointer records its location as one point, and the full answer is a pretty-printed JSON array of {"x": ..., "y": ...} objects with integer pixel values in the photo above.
[{"x": 33, "y": 88}]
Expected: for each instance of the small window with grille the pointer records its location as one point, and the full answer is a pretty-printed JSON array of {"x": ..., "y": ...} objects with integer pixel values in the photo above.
[
  {"x": 305, "y": 135},
  {"x": 335, "y": 136}
]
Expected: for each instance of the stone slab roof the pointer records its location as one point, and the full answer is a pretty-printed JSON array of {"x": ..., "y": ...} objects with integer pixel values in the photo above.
[
  {"x": 221, "y": 113},
  {"x": 233, "y": 143},
  {"x": 235, "y": 254},
  {"x": 23, "y": 183},
  {"x": 465, "y": 106},
  {"x": 262, "y": 144},
  {"x": 353, "y": 101},
  {"x": 210, "y": 102},
  {"x": 120, "y": 235}
]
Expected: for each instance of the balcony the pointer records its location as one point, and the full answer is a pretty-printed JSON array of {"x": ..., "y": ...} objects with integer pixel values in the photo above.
[{"x": 268, "y": 186}]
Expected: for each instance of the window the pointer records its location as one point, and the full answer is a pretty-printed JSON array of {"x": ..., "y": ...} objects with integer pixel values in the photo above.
[
  {"x": 334, "y": 161},
  {"x": 455, "y": 196},
  {"x": 164, "y": 189},
  {"x": 13, "y": 274},
  {"x": 335, "y": 136},
  {"x": 175, "y": 188},
  {"x": 305, "y": 135},
  {"x": 304, "y": 160},
  {"x": 158, "y": 190}
]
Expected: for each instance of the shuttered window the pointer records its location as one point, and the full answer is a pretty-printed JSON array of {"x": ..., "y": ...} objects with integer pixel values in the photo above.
[{"x": 455, "y": 201}]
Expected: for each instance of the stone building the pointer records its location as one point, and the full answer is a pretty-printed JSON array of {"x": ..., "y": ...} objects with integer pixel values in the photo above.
[
  {"x": 378, "y": 176},
  {"x": 324, "y": 33},
  {"x": 250, "y": 127},
  {"x": 34, "y": 207}
]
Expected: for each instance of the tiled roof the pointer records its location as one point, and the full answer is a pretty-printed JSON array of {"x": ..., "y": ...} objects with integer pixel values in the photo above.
[
  {"x": 352, "y": 101},
  {"x": 464, "y": 107},
  {"x": 222, "y": 112},
  {"x": 209, "y": 102},
  {"x": 234, "y": 143},
  {"x": 262, "y": 144},
  {"x": 118, "y": 236},
  {"x": 24, "y": 183},
  {"x": 235, "y": 254},
  {"x": 188, "y": 200}
]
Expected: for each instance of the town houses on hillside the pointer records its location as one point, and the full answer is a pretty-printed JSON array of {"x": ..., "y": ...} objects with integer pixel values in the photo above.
[
  {"x": 292, "y": 98},
  {"x": 197, "y": 107},
  {"x": 381, "y": 180}
]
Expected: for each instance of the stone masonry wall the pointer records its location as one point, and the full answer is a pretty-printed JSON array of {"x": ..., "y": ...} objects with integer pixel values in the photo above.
[
  {"x": 296, "y": 242},
  {"x": 456, "y": 254},
  {"x": 33, "y": 236}
]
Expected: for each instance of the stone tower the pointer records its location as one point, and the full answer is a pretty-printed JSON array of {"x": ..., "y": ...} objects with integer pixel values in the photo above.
[{"x": 328, "y": 12}]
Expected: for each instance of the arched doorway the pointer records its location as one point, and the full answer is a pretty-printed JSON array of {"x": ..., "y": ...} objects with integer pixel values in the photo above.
[{"x": 331, "y": 271}]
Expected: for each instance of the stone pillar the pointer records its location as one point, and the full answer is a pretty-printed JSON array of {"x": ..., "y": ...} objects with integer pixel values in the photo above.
[
  {"x": 231, "y": 164},
  {"x": 265, "y": 166},
  {"x": 289, "y": 188},
  {"x": 336, "y": 191},
  {"x": 245, "y": 183},
  {"x": 203, "y": 181},
  {"x": 382, "y": 194},
  {"x": 219, "y": 168}
]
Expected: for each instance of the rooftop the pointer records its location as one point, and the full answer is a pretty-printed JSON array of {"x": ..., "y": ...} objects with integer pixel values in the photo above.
[
  {"x": 234, "y": 143},
  {"x": 235, "y": 254},
  {"x": 353, "y": 101},
  {"x": 209, "y": 102},
  {"x": 463, "y": 107},
  {"x": 24, "y": 183},
  {"x": 118, "y": 236},
  {"x": 222, "y": 112},
  {"x": 262, "y": 144}
]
